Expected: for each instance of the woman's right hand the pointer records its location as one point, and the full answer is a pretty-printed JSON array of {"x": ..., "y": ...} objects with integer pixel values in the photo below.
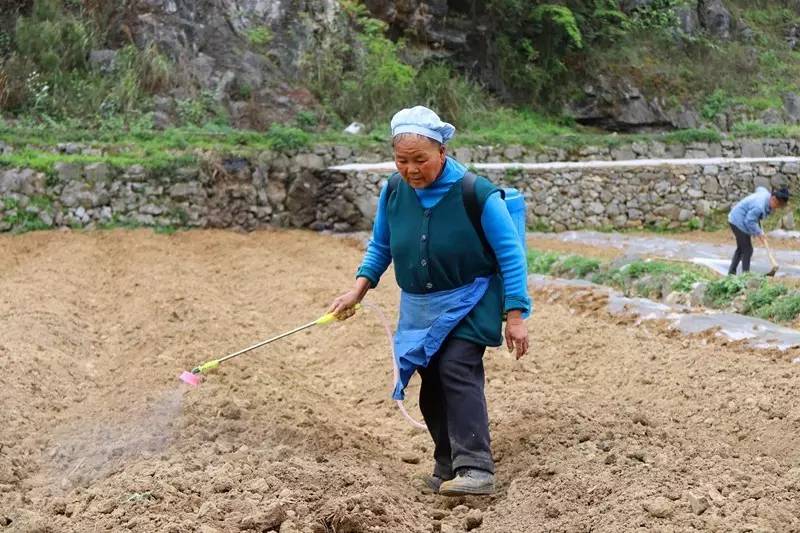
[{"x": 345, "y": 305}]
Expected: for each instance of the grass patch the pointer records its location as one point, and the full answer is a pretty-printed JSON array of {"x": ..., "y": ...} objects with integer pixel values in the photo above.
[
  {"x": 541, "y": 262},
  {"x": 763, "y": 297},
  {"x": 655, "y": 279},
  {"x": 721, "y": 292},
  {"x": 784, "y": 309},
  {"x": 577, "y": 266}
]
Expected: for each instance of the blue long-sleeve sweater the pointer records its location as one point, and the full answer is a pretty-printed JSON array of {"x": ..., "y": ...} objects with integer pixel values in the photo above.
[
  {"x": 747, "y": 214},
  {"x": 497, "y": 225}
]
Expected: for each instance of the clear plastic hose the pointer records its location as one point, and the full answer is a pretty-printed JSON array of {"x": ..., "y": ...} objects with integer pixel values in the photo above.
[{"x": 382, "y": 318}]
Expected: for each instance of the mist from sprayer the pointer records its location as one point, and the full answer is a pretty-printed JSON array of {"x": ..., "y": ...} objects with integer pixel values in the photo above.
[{"x": 83, "y": 453}]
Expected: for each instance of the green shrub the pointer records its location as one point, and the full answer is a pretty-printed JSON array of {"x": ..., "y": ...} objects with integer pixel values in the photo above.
[
  {"x": 541, "y": 262},
  {"x": 455, "y": 97},
  {"x": 54, "y": 40},
  {"x": 307, "y": 120},
  {"x": 259, "y": 35},
  {"x": 287, "y": 138},
  {"x": 577, "y": 266},
  {"x": 722, "y": 291},
  {"x": 766, "y": 294},
  {"x": 656, "y": 15},
  {"x": 685, "y": 282},
  {"x": 198, "y": 111},
  {"x": 715, "y": 104},
  {"x": 784, "y": 309}
]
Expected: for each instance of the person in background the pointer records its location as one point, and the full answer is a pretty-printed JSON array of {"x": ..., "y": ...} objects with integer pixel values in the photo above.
[
  {"x": 456, "y": 287},
  {"x": 745, "y": 222}
]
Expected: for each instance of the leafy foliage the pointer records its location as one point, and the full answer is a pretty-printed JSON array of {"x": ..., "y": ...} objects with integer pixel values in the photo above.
[{"x": 286, "y": 138}]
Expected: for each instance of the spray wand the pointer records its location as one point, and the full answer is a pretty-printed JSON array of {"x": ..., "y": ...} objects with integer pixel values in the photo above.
[{"x": 193, "y": 377}]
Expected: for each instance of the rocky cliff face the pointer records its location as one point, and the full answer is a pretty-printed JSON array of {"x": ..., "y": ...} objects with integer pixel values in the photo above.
[
  {"x": 244, "y": 52},
  {"x": 249, "y": 55}
]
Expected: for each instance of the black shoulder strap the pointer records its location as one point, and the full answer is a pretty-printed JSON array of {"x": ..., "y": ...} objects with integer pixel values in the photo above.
[
  {"x": 473, "y": 207},
  {"x": 391, "y": 185}
]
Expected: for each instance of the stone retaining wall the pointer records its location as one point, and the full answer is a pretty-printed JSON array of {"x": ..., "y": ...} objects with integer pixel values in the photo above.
[
  {"x": 301, "y": 190},
  {"x": 661, "y": 193}
]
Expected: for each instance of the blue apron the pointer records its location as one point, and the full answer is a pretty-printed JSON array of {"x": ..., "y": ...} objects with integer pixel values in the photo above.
[{"x": 425, "y": 322}]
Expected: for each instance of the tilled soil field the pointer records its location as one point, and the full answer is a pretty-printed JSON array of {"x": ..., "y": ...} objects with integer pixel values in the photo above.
[{"x": 605, "y": 426}]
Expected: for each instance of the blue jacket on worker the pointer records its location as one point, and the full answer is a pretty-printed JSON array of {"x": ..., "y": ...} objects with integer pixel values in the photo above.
[{"x": 748, "y": 213}]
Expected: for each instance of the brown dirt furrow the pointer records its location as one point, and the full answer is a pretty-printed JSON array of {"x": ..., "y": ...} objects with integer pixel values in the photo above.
[{"x": 606, "y": 426}]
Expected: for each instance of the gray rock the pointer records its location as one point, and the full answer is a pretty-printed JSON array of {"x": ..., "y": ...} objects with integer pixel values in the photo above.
[
  {"x": 312, "y": 161},
  {"x": 96, "y": 172},
  {"x": 699, "y": 504},
  {"x": 67, "y": 171},
  {"x": 367, "y": 205},
  {"x": 715, "y": 18},
  {"x": 688, "y": 20},
  {"x": 144, "y": 220},
  {"x": 187, "y": 191},
  {"x": 616, "y": 104},
  {"x": 684, "y": 215},
  {"x": 630, "y": 6},
  {"x": 722, "y": 122},
  {"x": 597, "y": 208},
  {"x": 761, "y": 181},
  {"x": 793, "y": 36},
  {"x": 301, "y": 199},
  {"x": 739, "y": 303},
  {"x": 271, "y": 518},
  {"x": 753, "y": 149},
  {"x": 103, "y": 60},
  {"x": 659, "y": 507},
  {"x": 703, "y": 208},
  {"x": 10, "y": 181},
  {"x": 342, "y": 153},
  {"x": 162, "y": 121},
  {"x": 473, "y": 519},
  {"x": 698, "y": 294},
  {"x": 151, "y": 209},
  {"x": 623, "y": 153},
  {"x": 686, "y": 118},
  {"x": 791, "y": 107},
  {"x": 513, "y": 153},
  {"x": 46, "y": 218},
  {"x": 792, "y": 169},
  {"x": 787, "y": 222},
  {"x": 771, "y": 117},
  {"x": 463, "y": 154},
  {"x": 135, "y": 173},
  {"x": 675, "y": 298},
  {"x": 76, "y": 193}
]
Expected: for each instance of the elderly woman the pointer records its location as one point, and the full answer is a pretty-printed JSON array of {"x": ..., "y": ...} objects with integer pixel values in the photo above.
[{"x": 457, "y": 281}]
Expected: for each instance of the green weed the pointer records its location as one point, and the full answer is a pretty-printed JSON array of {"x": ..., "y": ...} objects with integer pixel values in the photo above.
[{"x": 541, "y": 262}]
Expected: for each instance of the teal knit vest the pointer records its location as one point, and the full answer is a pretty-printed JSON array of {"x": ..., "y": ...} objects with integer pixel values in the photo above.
[{"x": 438, "y": 249}]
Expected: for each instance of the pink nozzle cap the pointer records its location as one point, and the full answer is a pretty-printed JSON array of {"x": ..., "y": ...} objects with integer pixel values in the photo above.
[{"x": 189, "y": 378}]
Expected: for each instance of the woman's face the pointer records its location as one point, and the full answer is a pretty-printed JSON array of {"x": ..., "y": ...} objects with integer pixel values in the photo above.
[{"x": 419, "y": 160}]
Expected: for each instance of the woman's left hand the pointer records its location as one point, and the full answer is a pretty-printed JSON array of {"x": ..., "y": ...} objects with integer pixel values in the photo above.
[{"x": 516, "y": 333}]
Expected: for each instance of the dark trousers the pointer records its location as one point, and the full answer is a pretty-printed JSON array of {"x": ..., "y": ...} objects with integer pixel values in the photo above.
[
  {"x": 453, "y": 404},
  {"x": 744, "y": 251}
]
